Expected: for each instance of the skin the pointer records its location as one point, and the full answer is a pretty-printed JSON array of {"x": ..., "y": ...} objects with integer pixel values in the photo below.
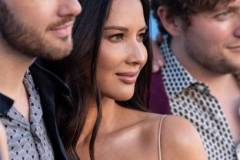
[
  {"x": 218, "y": 51},
  {"x": 222, "y": 49},
  {"x": 39, "y": 34},
  {"x": 3, "y": 144},
  {"x": 124, "y": 133},
  {"x": 211, "y": 53},
  {"x": 28, "y": 30},
  {"x": 122, "y": 53}
]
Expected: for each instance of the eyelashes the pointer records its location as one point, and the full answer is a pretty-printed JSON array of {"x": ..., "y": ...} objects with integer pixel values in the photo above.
[
  {"x": 225, "y": 14},
  {"x": 118, "y": 37}
]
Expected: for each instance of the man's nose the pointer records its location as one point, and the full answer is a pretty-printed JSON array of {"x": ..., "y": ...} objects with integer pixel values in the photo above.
[{"x": 70, "y": 8}]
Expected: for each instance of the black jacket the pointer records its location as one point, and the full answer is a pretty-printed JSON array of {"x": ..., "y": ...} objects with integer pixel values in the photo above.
[{"x": 48, "y": 86}]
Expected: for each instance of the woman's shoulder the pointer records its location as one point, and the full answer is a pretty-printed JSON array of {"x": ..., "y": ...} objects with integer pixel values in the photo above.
[
  {"x": 176, "y": 127},
  {"x": 177, "y": 137},
  {"x": 177, "y": 123},
  {"x": 173, "y": 124},
  {"x": 170, "y": 123}
]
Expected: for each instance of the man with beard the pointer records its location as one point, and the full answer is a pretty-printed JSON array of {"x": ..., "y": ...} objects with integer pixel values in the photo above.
[
  {"x": 201, "y": 49},
  {"x": 30, "y": 29}
]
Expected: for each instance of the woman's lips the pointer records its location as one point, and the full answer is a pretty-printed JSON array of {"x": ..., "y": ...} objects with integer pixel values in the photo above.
[{"x": 128, "y": 77}]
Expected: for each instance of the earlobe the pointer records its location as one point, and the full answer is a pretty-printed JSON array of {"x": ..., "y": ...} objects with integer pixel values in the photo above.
[{"x": 170, "y": 23}]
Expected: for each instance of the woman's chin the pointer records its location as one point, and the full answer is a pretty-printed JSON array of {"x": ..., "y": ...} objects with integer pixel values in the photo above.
[{"x": 123, "y": 97}]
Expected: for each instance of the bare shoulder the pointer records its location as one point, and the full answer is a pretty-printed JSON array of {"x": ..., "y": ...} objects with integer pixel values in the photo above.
[
  {"x": 180, "y": 140},
  {"x": 179, "y": 127}
]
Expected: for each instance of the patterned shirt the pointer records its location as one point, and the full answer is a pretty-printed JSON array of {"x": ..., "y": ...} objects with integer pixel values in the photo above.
[
  {"x": 27, "y": 140},
  {"x": 192, "y": 99}
]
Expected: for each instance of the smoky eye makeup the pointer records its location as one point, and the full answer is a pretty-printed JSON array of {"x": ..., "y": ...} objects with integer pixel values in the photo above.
[{"x": 113, "y": 36}]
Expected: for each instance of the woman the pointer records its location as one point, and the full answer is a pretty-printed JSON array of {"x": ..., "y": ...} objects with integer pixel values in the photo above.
[
  {"x": 3, "y": 144},
  {"x": 108, "y": 73}
]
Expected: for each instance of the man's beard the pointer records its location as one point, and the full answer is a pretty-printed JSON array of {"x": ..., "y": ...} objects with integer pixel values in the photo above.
[
  {"x": 27, "y": 40},
  {"x": 215, "y": 63}
]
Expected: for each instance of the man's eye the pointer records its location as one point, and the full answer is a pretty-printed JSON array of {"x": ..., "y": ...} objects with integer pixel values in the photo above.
[{"x": 223, "y": 15}]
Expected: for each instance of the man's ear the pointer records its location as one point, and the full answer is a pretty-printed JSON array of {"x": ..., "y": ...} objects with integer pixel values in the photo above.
[{"x": 172, "y": 25}]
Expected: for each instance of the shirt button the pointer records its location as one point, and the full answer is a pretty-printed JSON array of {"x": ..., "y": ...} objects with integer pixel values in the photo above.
[
  {"x": 202, "y": 88},
  {"x": 213, "y": 131},
  {"x": 238, "y": 151},
  {"x": 36, "y": 138},
  {"x": 218, "y": 116}
]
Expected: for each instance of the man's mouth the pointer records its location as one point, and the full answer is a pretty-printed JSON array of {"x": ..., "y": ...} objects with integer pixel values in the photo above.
[{"x": 63, "y": 31}]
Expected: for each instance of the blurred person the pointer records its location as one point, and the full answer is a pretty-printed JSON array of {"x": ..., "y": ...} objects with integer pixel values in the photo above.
[
  {"x": 201, "y": 46},
  {"x": 156, "y": 39}
]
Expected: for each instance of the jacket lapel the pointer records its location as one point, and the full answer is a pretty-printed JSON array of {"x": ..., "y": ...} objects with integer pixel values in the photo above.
[{"x": 47, "y": 84}]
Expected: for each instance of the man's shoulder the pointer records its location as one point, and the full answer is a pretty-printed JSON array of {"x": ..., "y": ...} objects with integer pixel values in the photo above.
[
  {"x": 44, "y": 77},
  {"x": 50, "y": 87}
]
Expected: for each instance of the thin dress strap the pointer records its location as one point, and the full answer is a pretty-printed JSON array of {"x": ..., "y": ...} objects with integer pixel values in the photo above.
[{"x": 161, "y": 119}]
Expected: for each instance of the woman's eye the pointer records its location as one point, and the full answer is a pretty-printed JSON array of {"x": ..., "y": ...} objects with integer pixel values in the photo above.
[
  {"x": 141, "y": 37},
  {"x": 116, "y": 37}
]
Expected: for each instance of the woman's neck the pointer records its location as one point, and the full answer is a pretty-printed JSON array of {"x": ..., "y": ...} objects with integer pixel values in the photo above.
[
  {"x": 88, "y": 124},
  {"x": 110, "y": 111}
]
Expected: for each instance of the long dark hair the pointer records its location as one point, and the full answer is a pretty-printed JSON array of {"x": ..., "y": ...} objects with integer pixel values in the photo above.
[{"x": 80, "y": 74}]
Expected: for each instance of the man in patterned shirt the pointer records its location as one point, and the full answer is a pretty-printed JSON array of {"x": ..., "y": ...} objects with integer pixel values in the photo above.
[
  {"x": 201, "y": 49},
  {"x": 30, "y": 29}
]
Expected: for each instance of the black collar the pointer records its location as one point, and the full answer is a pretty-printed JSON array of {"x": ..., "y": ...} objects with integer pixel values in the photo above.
[{"x": 6, "y": 103}]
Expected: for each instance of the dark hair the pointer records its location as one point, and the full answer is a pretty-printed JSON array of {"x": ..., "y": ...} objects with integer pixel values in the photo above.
[
  {"x": 184, "y": 8},
  {"x": 80, "y": 74}
]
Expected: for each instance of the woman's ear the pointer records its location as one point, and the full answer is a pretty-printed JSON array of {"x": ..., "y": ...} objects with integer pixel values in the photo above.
[{"x": 171, "y": 24}]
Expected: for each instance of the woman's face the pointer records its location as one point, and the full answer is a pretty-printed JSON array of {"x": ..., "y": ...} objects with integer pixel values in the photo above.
[{"x": 122, "y": 53}]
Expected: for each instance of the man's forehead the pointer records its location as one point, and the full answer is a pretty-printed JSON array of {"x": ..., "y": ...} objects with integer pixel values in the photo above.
[{"x": 227, "y": 4}]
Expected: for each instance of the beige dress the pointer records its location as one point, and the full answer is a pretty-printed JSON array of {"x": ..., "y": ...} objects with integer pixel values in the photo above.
[{"x": 159, "y": 136}]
